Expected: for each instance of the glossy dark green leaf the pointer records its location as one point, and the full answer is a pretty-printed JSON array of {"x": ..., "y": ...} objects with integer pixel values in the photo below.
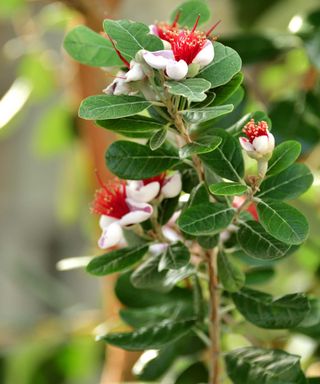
[
  {"x": 158, "y": 138},
  {"x": 311, "y": 323},
  {"x": 224, "y": 92},
  {"x": 166, "y": 209},
  {"x": 230, "y": 275},
  {"x": 262, "y": 310},
  {"x": 257, "y": 243},
  {"x": 208, "y": 242},
  {"x": 228, "y": 189},
  {"x": 196, "y": 116},
  {"x": 288, "y": 184},
  {"x": 117, "y": 260},
  {"x": 151, "y": 337},
  {"x": 103, "y": 107},
  {"x": 133, "y": 161},
  {"x": 196, "y": 373},
  {"x": 90, "y": 48},
  {"x": 192, "y": 89},
  {"x": 283, "y": 221},
  {"x": 225, "y": 65},
  {"x": 132, "y": 126},
  {"x": 199, "y": 195},
  {"x": 130, "y": 37},
  {"x": 283, "y": 156},
  {"x": 176, "y": 256},
  {"x": 252, "y": 365},
  {"x": 205, "y": 219},
  {"x": 189, "y": 11},
  {"x": 259, "y": 275},
  {"x": 197, "y": 148},
  {"x": 226, "y": 161}
]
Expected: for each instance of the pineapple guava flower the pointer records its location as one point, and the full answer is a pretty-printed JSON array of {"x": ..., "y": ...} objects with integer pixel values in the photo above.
[
  {"x": 166, "y": 186},
  {"x": 186, "y": 47},
  {"x": 259, "y": 143},
  {"x": 117, "y": 210}
]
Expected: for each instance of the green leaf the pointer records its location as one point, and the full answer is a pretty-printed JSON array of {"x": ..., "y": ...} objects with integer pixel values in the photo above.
[
  {"x": 227, "y": 160},
  {"x": 151, "y": 337},
  {"x": 134, "y": 161},
  {"x": 192, "y": 89},
  {"x": 158, "y": 138},
  {"x": 228, "y": 189},
  {"x": 196, "y": 116},
  {"x": 283, "y": 156},
  {"x": 260, "y": 309},
  {"x": 196, "y": 373},
  {"x": 176, "y": 255},
  {"x": 103, "y": 107},
  {"x": 198, "y": 195},
  {"x": 142, "y": 298},
  {"x": 130, "y": 37},
  {"x": 224, "y": 92},
  {"x": 231, "y": 276},
  {"x": 288, "y": 184},
  {"x": 196, "y": 148},
  {"x": 116, "y": 261},
  {"x": 225, "y": 65},
  {"x": 205, "y": 219},
  {"x": 311, "y": 323},
  {"x": 90, "y": 48},
  {"x": 257, "y": 243},
  {"x": 259, "y": 275},
  {"x": 252, "y": 365},
  {"x": 189, "y": 11},
  {"x": 208, "y": 242},
  {"x": 166, "y": 209},
  {"x": 148, "y": 275},
  {"x": 282, "y": 221},
  {"x": 132, "y": 126}
]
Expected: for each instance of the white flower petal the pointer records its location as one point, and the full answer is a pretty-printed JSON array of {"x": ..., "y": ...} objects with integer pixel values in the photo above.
[
  {"x": 261, "y": 144},
  {"x": 205, "y": 56},
  {"x": 111, "y": 236},
  {"x": 245, "y": 144},
  {"x": 158, "y": 59},
  {"x": 177, "y": 70},
  {"x": 153, "y": 29},
  {"x": 139, "y": 212},
  {"x": 105, "y": 221},
  {"x": 271, "y": 141},
  {"x": 135, "y": 72},
  {"x": 172, "y": 186},
  {"x": 143, "y": 193}
]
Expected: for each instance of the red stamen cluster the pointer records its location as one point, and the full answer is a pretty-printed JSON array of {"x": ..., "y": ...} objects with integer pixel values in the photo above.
[
  {"x": 110, "y": 200},
  {"x": 166, "y": 31},
  {"x": 160, "y": 179},
  {"x": 253, "y": 130}
]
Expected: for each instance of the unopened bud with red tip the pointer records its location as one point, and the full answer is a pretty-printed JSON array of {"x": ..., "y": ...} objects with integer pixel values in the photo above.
[{"x": 259, "y": 143}]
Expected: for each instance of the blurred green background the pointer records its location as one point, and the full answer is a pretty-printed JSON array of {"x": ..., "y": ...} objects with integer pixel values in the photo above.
[{"x": 49, "y": 315}]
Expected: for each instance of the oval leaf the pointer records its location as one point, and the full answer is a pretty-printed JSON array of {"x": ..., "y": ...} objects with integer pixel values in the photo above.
[
  {"x": 189, "y": 11},
  {"x": 283, "y": 156},
  {"x": 231, "y": 277},
  {"x": 200, "y": 115},
  {"x": 257, "y": 243},
  {"x": 196, "y": 148},
  {"x": 133, "y": 161},
  {"x": 192, "y": 89},
  {"x": 103, "y": 107},
  {"x": 158, "y": 138},
  {"x": 175, "y": 256},
  {"x": 205, "y": 219},
  {"x": 116, "y": 261},
  {"x": 282, "y": 221},
  {"x": 151, "y": 337},
  {"x": 260, "y": 309},
  {"x": 228, "y": 189}
]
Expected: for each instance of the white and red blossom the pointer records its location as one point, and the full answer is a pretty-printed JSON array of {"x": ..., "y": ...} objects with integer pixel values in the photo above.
[
  {"x": 117, "y": 210},
  {"x": 259, "y": 143},
  {"x": 164, "y": 185},
  {"x": 186, "y": 47}
]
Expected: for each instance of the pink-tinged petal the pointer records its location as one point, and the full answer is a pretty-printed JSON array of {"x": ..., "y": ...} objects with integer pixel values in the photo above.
[
  {"x": 177, "y": 70},
  {"x": 261, "y": 144},
  {"x": 205, "y": 56},
  {"x": 139, "y": 212},
  {"x": 105, "y": 221},
  {"x": 245, "y": 144},
  {"x": 111, "y": 236},
  {"x": 158, "y": 59},
  {"x": 135, "y": 72},
  {"x": 153, "y": 29},
  {"x": 172, "y": 186},
  {"x": 143, "y": 193}
]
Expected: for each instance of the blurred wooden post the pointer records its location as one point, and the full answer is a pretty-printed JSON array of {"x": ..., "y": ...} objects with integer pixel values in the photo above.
[{"x": 91, "y": 81}]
